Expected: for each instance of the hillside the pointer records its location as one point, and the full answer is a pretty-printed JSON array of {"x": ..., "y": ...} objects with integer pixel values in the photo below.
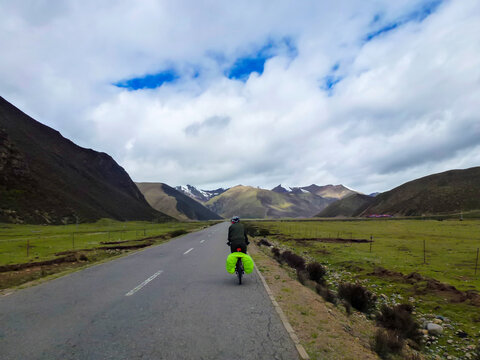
[
  {"x": 450, "y": 191},
  {"x": 350, "y": 206},
  {"x": 329, "y": 191},
  {"x": 174, "y": 203},
  {"x": 250, "y": 202},
  {"x": 201, "y": 196},
  {"x": 46, "y": 178}
]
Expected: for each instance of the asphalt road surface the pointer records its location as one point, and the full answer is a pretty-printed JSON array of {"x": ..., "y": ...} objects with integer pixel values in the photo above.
[{"x": 172, "y": 301}]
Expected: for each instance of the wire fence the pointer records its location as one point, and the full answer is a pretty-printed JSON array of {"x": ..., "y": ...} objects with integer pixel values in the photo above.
[
  {"x": 37, "y": 245},
  {"x": 447, "y": 251}
]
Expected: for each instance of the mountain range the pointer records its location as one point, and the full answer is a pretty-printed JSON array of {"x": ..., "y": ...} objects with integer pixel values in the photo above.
[
  {"x": 443, "y": 193},
  {"x": 46, "y": 178},
  {"x": 175, "y": 203}
]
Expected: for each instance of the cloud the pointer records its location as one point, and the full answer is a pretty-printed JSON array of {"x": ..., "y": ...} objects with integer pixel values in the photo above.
[
  {"x": 216, "y": 94},
  {"x": 213, "y": 123}
]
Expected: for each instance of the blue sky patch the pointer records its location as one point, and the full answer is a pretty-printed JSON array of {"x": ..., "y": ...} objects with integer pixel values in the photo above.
[
  {"x": 244, "y": 66},
  {"x": 418, "y": 15},
  {"x": 149, "y": 81},
  {"x": 329, "y": 82}
]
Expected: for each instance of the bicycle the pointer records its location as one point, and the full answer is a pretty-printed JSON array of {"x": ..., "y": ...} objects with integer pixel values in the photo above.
[{"x": 239, "y": 269}]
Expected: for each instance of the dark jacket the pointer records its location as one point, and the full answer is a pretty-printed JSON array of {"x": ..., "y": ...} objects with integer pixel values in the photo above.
[{"x": 237, "y": 235}]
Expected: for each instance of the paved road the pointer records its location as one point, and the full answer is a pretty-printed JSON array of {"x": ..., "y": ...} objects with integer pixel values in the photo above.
[{"x": 172, "y": 301}]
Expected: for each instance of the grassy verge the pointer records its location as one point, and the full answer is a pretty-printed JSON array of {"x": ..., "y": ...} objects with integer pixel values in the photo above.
[
  {"x": 324, "y": 330},
  {"x": 29, "y": 253},
  {"x": 397, "y": 251}
]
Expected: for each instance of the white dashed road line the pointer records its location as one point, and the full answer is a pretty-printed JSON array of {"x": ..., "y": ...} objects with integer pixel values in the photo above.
[
  {"x": 201, "y": 241},
  {"x": 134, "y": 290},
  {"x": 186, "y": 252}
]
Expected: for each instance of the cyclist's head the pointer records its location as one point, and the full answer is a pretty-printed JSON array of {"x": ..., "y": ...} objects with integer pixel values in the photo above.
[{"x": 235, "y": 219}]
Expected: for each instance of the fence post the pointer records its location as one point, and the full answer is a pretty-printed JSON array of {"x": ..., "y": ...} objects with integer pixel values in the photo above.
[
  {"x": 476, "y": 263},
  {"x": 424, "y": 256}
]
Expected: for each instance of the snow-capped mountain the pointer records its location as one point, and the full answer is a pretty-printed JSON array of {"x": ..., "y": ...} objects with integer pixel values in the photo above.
[{"x": 198, "y": 194}]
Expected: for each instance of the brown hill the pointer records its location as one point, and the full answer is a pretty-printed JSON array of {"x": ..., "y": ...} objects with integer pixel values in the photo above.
[
  {"x": 329, "y": 191},
  {"x": 175, "y": 203},
  {"x": 447, "y": 192},
  {"x": 46, "y": 178},
  {"x": 350, "y": 206},
  {"x": 250, "y": 202}
]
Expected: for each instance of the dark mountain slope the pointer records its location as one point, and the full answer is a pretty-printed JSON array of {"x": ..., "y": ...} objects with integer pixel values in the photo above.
[
  {"x": 349, "y": 206},
  {"x": 450, "y": 191},
  {"x": 46, "y": 178},
  {"x": 175, "y": 203}
]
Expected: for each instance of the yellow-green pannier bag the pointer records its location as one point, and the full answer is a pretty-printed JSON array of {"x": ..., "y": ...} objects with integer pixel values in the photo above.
[{"x": 232, "y": 261}]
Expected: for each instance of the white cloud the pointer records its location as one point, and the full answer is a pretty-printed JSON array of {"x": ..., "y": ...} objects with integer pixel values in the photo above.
[{"x": 406, "y": 106}]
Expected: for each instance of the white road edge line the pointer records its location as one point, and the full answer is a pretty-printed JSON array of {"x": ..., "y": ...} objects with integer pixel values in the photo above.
[
  {"x": 134, "y": 290},
  {"x": 186, "y": 252},
  {"x": 201, "y": 241},
  {"x": 301, "y": 350}
]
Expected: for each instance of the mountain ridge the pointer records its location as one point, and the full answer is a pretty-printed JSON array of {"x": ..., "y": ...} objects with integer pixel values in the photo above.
[
  {"x": 46, "y": 178},
  {"x": 172, "y": 202}
]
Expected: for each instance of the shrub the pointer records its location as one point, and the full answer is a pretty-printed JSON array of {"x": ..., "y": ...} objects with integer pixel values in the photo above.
[
  {"x": 293, "y": 260},
  {"x": 387, "y": 342},
  {"x": 316, "y": 272},
  {"x": 326, "y": 294},
  {"x": 357, "y": 296},
  {"x": 399, "y": 319},
  {"x": 276, "y": 253},
  {"x": 178, "y": 232},
  {"x": 264, "y": 242},
  {"x": 263, "y": 232},
  {"x": 302, "y": 276},
  {"x": 250, "y": 229}
]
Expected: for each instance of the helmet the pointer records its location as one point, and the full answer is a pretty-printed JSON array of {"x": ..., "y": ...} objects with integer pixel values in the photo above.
[{"x": 235, "y": 219}]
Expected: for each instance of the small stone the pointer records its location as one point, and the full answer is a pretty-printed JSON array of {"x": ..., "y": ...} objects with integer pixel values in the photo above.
[
  {"x": 437, "y": 321},
  {"x": 450, "y": 341},
  {"x": 434, "y": 329}
]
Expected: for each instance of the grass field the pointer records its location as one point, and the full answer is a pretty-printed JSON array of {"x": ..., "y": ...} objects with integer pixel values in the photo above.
[
  {"x": 450, "y": 256},
  {"x": 398, "y": 245},
  {"x": 28, "y": 243}
]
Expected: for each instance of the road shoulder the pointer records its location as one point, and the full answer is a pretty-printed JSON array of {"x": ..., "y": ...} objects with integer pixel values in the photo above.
[{"x": 324, "y": 331}]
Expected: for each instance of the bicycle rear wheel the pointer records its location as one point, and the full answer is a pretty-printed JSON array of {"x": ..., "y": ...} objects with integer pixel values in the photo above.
[{"x": 239, "y": 271}]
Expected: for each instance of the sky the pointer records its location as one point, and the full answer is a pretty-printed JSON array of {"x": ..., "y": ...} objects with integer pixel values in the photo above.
[{"x": 368, "y": 94}]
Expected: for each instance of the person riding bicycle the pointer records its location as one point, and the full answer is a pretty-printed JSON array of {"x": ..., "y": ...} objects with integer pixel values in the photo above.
[{"x": 237, "y": 236}]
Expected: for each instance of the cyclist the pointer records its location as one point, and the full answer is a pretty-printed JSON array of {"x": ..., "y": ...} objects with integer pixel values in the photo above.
[{"x": 237, "y": 236}]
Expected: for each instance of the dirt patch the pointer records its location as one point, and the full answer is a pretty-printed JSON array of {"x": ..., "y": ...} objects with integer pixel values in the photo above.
[
  {"x": 24, "y": 275},
  {"x": 17, "y": 267},
  {"x": 324, "y": 330},
  {"x": 424, "y": 285},
  {"x": 333, "y": 240},
  {"x": 127, "y": 247}
]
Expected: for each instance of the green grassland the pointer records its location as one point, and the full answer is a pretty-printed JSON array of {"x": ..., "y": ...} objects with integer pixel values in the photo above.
[
  {"x": 32, "y": 243},
  {"x": 450, "y": 245},
  {"x": 451, "y": 250}
]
